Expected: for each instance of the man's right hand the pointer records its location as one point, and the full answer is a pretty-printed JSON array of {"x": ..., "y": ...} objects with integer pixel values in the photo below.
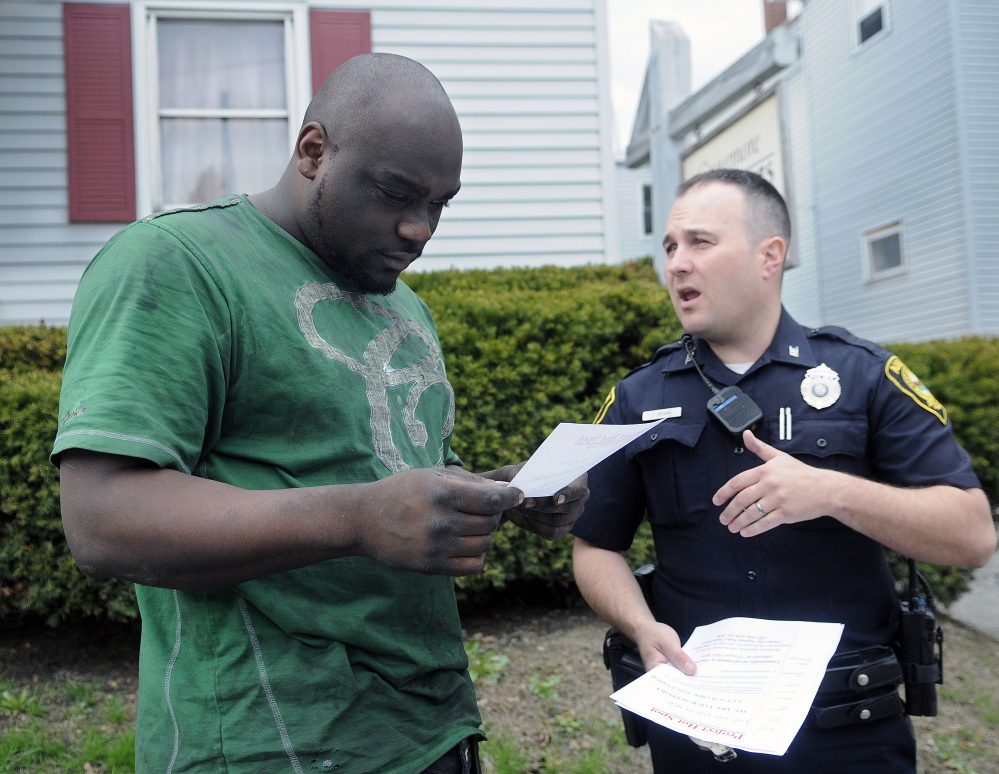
[
  {"x": 660, "y": 644},
  {"x": 608, "y": 585},
  {"x": 126, "y": 518},
  {"x": 437, "y": 521}
]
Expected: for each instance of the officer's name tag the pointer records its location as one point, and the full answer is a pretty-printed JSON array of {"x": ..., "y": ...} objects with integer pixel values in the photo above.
[{"x": 666, "y": 413}]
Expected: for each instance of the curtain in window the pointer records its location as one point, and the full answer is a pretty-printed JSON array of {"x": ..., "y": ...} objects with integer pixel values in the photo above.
[{"x": 214, "y": 75}]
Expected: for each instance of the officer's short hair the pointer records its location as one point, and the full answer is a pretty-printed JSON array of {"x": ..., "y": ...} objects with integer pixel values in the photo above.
[{"x": 766, "y": 210}]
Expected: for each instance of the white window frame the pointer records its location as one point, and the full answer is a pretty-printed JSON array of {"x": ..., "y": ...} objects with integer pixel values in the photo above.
[
  {"x": 856, "y": 18},
  {"x": 145, "y": 81},
  {"x": 867, "y": 242}
]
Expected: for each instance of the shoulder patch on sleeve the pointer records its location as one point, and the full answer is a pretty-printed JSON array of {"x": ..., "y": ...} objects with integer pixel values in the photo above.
[
  {"x": 898, "y": 373},
  {"x": 608, "y": 402}
]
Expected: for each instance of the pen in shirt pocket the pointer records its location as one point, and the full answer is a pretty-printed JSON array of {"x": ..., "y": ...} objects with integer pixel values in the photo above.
[{"x": 785, "y": 424}]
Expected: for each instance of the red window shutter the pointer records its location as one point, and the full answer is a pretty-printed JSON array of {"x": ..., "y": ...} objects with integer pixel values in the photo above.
[
  {"x": 336, "y": 36},
  {"x": 99, "y": 124}
]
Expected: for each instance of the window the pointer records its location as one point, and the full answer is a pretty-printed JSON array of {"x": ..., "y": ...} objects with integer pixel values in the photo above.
[
  {"x": 871, "y": 19},
  {"x": 646, "y": 209},
  {"x": 222, "y": 102},
  {"x": 218, "y": 97},
  {"x": 871, "y": 25},
  {"x": 884, "y": 252}
]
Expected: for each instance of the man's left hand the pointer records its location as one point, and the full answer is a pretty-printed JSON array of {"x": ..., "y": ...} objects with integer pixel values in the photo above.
[
  {"x": 783, "y": 490},
  {"x": 550, "y": 517}
]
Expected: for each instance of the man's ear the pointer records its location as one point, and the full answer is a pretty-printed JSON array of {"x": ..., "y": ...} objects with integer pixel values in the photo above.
[
  {"x": 774, "y": 250},
  {"x": 309, "y": 150}
]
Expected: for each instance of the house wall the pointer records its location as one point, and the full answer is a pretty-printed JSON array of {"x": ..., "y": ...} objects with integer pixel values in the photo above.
[
  {"x": 884, "y": 126},
  {"x": 530, "y": 83},
  {"x": 635, "y": 243},
  {"x": 976, "y": 63},
  {"x": 902, "y": 129},
  {"x": 41, "y": 255},
  {"x": 801, "y": 285}
]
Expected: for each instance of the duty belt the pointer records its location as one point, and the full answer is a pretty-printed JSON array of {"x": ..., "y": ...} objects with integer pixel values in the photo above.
[{"x": 871, "y": 675}]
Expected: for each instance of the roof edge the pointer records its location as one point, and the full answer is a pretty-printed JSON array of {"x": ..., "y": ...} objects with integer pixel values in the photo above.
[{"x": 771, "y": 55}]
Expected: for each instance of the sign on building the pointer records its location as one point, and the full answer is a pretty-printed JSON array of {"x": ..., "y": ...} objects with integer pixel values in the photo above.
[{"x": 754, "y": 142}]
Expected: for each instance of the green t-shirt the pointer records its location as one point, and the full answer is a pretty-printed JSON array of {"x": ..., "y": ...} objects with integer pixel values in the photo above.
[{"x": 211, "y": 342}]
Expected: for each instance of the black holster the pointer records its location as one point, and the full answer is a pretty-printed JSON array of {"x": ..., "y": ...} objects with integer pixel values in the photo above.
[
  {"x": 625, "y": 664},
  {"x": 622, "y": 659}
]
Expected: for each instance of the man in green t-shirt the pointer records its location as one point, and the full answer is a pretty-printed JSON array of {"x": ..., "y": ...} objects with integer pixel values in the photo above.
[{"x": 255, "y": 428}]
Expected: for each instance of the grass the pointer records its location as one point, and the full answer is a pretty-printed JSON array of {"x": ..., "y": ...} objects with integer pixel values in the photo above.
[
  {"x": 484, "y": 665},
  {"x": 67, "y": 727},
  {"x": 545, "y": 687},
  {"x": 87, "y": 727},
  {"x": 562, "y": 755},
  {"x": 957, "y": 748},
  {"x": 569, "y": 740},
  {"x": 80, "y": 727},
  {"x": 952, "y": 750}
]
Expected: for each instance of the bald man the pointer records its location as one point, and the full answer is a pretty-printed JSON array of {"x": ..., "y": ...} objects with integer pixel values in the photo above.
[{"x": 255, "y": 428}]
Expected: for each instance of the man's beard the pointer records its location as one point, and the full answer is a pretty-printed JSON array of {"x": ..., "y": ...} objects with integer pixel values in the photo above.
[{"x": 315, "y": 231}]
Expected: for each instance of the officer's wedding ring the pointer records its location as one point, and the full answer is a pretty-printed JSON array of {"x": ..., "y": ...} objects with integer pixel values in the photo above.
[{"x": 760, "y": 509}]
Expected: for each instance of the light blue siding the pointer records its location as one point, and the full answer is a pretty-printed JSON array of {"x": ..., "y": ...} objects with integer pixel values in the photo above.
[
  {"x": 635, "y": 243},
  {"x": 903, "y": 129},
  {"x": 41, "y": 255},
  {"x": 884, "y": 122},
  {"x": 801, "y": 284},
  {"x": 526, "y": 86},
  {"x": 976, "y": 55}
]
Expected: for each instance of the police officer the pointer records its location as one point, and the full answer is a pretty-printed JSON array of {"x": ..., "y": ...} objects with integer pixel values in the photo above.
[{"x": 784, "y": 521}]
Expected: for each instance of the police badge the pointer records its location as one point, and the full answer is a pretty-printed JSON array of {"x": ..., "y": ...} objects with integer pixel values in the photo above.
[{"x": 820, "y": 387}]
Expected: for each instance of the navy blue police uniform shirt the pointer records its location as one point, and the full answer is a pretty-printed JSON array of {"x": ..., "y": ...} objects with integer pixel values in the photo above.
[{"x": 884, "y": 425}]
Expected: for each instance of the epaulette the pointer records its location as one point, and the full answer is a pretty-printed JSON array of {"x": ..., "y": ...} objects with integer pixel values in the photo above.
[
  {"x": 661, "y": 352},
  {"x": 842, "y": 334}
]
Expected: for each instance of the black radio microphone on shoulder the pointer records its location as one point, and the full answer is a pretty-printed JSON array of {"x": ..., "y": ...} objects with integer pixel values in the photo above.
[{"x": 735, "y": 410}]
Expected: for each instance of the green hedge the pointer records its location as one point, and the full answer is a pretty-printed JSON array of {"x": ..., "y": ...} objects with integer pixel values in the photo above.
[
  {"x": 37, "y": 573},
  {"x": 529, "y": 348},
  {"x": 32, "y": 348},
  {"x": 964, "y": 376},
  {"x": 525, "y": 350}
]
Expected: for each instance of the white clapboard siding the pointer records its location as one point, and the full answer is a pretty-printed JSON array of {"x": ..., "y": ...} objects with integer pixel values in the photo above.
[
  {"x": 51, "y": 272},
  {"x": 800, "y": 293},
  {"x": 635, "y": 243},
  {"x": 537, "y": 210},
  {"x": 533, "y": 175},
  {"x": 528, "y": 78},
  {"x": 901, "y": 130},
  {"x": 41, "y": 254},
  {"x": 898, "y": 130},
  {"x": 500, "y": 55},
  {"x": 976, "y": 42},
  {"x": 525, "y": 80}
]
